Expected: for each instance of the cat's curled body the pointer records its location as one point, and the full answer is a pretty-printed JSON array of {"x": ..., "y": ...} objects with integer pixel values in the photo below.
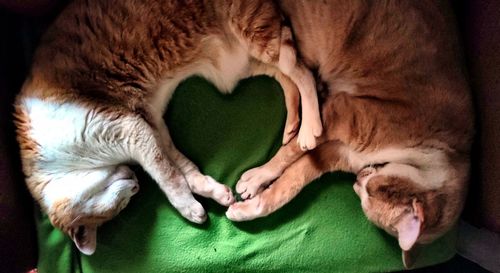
[
  {"x": 99, "y": 85},
  {"x": 397, "y": 111}
]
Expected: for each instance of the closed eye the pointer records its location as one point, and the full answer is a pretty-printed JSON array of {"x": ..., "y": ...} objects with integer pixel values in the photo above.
[{"x": 379, "y": 165}]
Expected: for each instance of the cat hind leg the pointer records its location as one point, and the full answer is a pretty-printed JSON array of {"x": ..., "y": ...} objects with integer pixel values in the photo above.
[
  {"x": 258, "y": 26},
  {"x": 311, "y": 126}
]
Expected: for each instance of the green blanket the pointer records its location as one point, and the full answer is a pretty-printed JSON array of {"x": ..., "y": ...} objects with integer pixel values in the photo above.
[{"x": 321, "y": 230}]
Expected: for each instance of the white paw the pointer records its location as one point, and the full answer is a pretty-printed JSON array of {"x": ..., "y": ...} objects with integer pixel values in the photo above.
[
  {"x": 306, "y": 140},
  {"x": 253, "y": 181},
  {"x": 221, "y": 193},
  {"x": 194, "y": 213},
  {"x": 128, "y": 187},
  {"x": 317, "y": 127},
  {"x": 245, "y": 211},
  {"x": 234, "y": 214},
  {"x": 206, "y": 186},
  {"x": 116, "y": 193},
  {"x": 307, "y": 135},
  {"x": 124, "y": 181}
]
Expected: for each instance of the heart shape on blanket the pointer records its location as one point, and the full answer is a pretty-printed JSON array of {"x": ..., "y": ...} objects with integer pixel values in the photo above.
[{"x": 322, "y": 230}]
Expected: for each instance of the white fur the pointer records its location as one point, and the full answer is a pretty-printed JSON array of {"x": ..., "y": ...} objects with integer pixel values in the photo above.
[
  {"x": 49, "y": 119},
  {"x": 79, "y": 185},
  {"x": 338, "y": 85},
  {"x": 226, "y": 63},
  {"x": 95, "y": 141},
  {"x": 75, "y": 155},
  {"x": 72, "y": 137},
  {"x": 77, "y": 146},
  {"x": 224, "y": 69},
  {"x": 311, "y": 126},
  {"x": 420, "y": 165},
  {"x": 232, "y": 65}
]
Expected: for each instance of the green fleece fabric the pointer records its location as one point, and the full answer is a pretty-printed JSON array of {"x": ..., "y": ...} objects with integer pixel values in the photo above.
[{"x": 322, "y": 230}]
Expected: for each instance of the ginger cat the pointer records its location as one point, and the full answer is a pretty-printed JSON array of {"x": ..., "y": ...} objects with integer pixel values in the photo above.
[
  {"x": 99, "y": 85},
  {"x": 397, "y": 112}
]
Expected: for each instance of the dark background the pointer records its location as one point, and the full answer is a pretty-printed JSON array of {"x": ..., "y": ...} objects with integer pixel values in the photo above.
[{"x": 22, "y": 23}]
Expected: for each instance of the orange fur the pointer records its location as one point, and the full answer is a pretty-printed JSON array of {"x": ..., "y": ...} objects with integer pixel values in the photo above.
[
  {"x": 112, "y": 66},
  {"x": 395, "y": 93}
]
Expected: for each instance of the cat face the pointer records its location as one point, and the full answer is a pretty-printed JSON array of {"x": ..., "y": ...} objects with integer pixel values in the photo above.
[
  {"x": 79, "y": 215},
  {"x": 393, "y": 200}
]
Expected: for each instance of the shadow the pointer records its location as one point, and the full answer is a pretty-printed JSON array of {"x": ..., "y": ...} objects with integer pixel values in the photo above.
[{"x": 456, "y": 265}]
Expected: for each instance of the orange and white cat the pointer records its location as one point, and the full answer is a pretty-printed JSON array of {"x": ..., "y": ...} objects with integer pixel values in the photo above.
[
  {"x": 99, "y": 85},
  {"x": 396, "y": 111}
]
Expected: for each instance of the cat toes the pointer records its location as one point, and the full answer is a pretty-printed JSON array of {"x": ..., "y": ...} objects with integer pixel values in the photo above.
[
  {"x": 194, "y": 213},
  {"x": 130, "y": 187},
  {"x": 309, "y": 131},
  {"x": 222, "y": 194},
  {"x": 306, "y": 139},
  {"x": 124, "y": 178},
  {"x": 252, "y": 181},
  {"x": 133, "y": 185},
  {"x": 206, "y": 186},
  {"x": 245, "y": 211},
  {"x": 245, "y": 190}
]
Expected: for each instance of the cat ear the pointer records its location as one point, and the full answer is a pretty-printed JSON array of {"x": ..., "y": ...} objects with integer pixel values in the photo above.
[
  {"x": 409, "y": 257},
  {"x": 408, "y": 231},
  {"x": 409, "y": 226},
  {"x": 85, "y": 238}
]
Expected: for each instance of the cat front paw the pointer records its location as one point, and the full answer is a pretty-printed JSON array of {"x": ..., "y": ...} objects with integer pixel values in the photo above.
[
  {"x": 206, "y": 186},
  {"x": 221, "y": 193},
  {"x": 308, "y": 133},
  {"x": 246, "y": 210},
  {"x": 253, "y": 181},
  {"x": 127, "y": 180},
  {"x": 194, "y": 213}
]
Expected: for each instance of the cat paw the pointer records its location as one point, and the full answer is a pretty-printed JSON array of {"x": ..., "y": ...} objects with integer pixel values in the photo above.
[
  {"x": 194, "y": 213},
  {"x": 221, "y": 193},
  {"x": 116, "y": 191},
  {"x": 308, "y": 133},
  {"x": 125, "y": 181},
  {"x": 128, "y": 188},
  {"x": 246, "y": 210},
  {"x": 253, "y": 181},
  {"x": 206, "y": 186}
]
